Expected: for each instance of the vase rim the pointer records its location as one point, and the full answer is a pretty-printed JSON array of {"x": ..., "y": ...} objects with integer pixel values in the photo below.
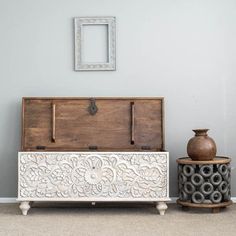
[{"x": 200, "y": 130}]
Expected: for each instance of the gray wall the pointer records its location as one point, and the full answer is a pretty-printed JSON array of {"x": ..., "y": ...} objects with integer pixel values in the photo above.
[{"x": 182, "y": 50}]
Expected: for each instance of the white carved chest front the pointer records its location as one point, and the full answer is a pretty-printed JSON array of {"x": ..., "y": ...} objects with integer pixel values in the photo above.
[{"x": 93, "y": 177}]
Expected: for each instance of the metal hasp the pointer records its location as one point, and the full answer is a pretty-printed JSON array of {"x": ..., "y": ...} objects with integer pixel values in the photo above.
[
  {"x": 93, "y": 148},
  {"x": 40, "y": 147},
  {"x": 92, "y": 107}
]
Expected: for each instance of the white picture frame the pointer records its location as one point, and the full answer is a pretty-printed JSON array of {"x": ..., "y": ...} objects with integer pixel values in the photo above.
[{"x": 79, "y": 23}]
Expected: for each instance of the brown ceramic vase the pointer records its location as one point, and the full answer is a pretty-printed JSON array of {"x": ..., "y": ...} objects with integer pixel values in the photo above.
[{"x": 201, "y": 147}]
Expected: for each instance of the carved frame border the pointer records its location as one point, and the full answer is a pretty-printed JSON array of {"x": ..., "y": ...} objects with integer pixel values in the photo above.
[{"x": 78, "y": 24}]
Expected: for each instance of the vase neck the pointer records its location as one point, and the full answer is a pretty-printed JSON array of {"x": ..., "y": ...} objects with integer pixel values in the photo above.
[{"x": 200, "y": 132}]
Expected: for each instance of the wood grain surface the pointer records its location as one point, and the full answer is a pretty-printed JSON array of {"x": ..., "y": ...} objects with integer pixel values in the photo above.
[
  {"x": 66, "y": 124},
  {"x": 204, "y": 205},
  {"x": 216, "y": 160}
]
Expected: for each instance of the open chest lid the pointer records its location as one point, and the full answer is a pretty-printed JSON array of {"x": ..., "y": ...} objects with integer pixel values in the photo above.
[{"x": 83, "y": 124}]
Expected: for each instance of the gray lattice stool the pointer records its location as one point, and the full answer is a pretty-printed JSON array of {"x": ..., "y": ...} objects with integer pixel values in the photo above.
[{"x": 204, "y": 184}]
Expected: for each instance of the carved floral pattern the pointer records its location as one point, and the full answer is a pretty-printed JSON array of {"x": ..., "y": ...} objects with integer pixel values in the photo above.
[{"x": 93, "y": 175}]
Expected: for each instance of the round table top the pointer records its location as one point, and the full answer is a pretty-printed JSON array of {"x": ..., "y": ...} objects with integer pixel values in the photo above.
[{"x": 216, "y": 160}]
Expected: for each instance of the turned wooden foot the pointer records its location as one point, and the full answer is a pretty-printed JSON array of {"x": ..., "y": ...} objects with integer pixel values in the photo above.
[
  {"x": 24, "y": 206},
  {"x": 161, "y": 207}
]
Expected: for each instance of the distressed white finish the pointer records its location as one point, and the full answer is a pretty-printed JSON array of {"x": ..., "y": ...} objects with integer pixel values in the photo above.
[
  {"x": 93, "y": 176},
  {"x": 161, "y": 207},
  {"x": 24, "y": 206},
  {"x": 78, "y": 24}
]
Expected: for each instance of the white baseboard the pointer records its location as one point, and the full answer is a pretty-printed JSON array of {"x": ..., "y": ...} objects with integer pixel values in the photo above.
[
  {"x": 8, "y": 200},
  {"x": 13, "y": 200},
  {"x": 173, "y": 199}
]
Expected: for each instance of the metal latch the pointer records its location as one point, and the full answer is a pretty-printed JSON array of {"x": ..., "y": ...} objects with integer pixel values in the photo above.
[
  {"x": 93, "y": 147},
  {"x": 92, "y": 107},
  {"x": 41, "y": 147}
]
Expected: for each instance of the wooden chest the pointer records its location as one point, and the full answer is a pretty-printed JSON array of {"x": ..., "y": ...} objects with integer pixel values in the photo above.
[
  {"x": 70, "y": 145},
  {"x": 76, "y": 124}
]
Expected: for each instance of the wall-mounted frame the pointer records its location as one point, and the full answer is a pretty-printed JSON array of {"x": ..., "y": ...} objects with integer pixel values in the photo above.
[{"x": 110, "y": 41}]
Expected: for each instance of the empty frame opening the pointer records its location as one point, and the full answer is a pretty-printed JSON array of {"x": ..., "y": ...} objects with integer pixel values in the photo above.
[{"x": 95, "y": 43}]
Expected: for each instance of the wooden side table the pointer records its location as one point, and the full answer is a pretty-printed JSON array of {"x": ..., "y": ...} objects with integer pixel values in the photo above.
[{"x": 204, "y": 184}]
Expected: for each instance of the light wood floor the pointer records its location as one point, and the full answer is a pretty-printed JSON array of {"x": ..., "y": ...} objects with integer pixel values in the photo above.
[{"x": 114, "y": 220}]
